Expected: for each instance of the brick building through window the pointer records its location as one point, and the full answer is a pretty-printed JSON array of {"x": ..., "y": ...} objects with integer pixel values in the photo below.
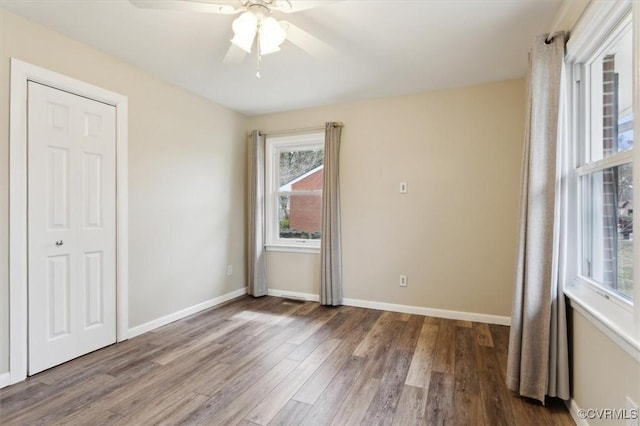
[{"x": 305, "y": 201}]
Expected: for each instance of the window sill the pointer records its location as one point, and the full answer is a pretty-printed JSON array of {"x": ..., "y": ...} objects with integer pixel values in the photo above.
[
  {"x": 610, "y": 318},
  {"x": 292, "y": 249}
]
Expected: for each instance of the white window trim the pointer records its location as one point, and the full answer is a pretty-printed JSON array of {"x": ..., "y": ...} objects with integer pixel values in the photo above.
[
  {"x": 615, "y": 317},
  {"x": 273, "y": 242}
]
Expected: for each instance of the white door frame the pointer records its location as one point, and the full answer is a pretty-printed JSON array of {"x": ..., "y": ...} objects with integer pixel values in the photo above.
[{"x": 21, "y": 73}]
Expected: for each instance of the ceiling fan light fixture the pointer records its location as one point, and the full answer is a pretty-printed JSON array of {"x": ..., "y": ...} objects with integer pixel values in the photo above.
[
  {"x": 272, "y": 35},
  {"x": 243, "y": 43},
  {"x": 244, "y": 31},
  {"x": 267, "y": 50},
  {"x": 245, "y": 24}
]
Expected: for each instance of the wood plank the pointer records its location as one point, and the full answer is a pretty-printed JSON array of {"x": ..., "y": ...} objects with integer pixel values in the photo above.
[
  {"x": 250, "y": 346},
  {"x": 444, "y": 357},
  {"x": 244, "y": 372},
  {"x": 411, "y": 407},
  {"x": 439, "y": 409},
  {"x": 329, "y": 402},
  {"x": 528, "y": 412},
  {"x": 355, "y": 406},
  {"x": 381, "y": 352},
  {"x": 500, "y": 337},
  {"x": 237, "y": 407},
  {"x": 99, "y": 362},
  {"x": 420, "y": 369},
  {"x": 55, "y": 406},
  {"x": 291, "y": 414},
  {"x": 467, "y": 402},
  {"x": 20, "y": 395},
  {"x": 483, "y": 335},
  {"x": 92, "y": 393},
  {"x": 496, "y": 401},
  {"x": 169, "y": 378},
  {"x": 311, "y": 390},
  {"x": 404, "y": 317},
  {"x": 411, "y": 333},
  {"x": 378, "y": 333},
  {"x": 315, "y": 386},
  {"x": 359, "y": 322},
  {"x": 384, "y": 403},
  {"x": 316, "y": 331},
  {"x": 466, "y": 324},
  {"x": 269, "y": 407},
  {"x": 193, "y": 345},
  {"x": 168, "y": 409},
  {"x": 281, "y": 314},
  {"x": 325, "y": 313},
  {"x": 92, "y": 414}
]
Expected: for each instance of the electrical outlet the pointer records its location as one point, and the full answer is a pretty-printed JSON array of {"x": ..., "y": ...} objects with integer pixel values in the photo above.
[
  {"x": 404, "y": 188},
  {"x": 229, "y": 270},
  {"x": 403, "y": 280}
]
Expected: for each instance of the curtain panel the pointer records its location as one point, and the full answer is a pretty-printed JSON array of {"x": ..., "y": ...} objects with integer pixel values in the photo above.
[
  {"x": 256, "y": 256},
  {"x": 538, "y": 362},
  {"x": 331, "y": 246}
]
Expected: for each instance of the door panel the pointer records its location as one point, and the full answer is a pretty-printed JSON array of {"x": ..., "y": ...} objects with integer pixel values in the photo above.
[
  {"x": 94, "y": 290},
  {"x": 92, "y": 190},
  {"x": 58, "y": 294},
  {"x": 58, "y": 188},
  {"x": 71, "y": 226}
]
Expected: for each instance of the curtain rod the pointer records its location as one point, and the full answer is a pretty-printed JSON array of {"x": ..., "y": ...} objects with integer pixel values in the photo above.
[
  {"x": 295, "y": 131},
  {"x": 562, "y": 11}
]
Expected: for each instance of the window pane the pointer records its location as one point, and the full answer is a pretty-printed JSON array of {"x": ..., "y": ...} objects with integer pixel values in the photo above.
[
  {"x": 295, "y": 164},
  {"x": 300, "y": 193},
  {"x": 300, "y": 215},
  {"x": 612, "y": 129},
  {"x": 608, "y": 229}
]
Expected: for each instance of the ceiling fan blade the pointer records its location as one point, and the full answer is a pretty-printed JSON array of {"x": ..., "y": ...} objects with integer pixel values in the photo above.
[
  {"x": 305, "y": 41},
  {"x": 293, "y": 6},
  {"x": 234, "y": 55},
  {"x": 224, "y": 7}
]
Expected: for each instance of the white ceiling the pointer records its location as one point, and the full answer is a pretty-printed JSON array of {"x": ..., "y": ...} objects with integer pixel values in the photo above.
[{"x": 379, "y": 47}]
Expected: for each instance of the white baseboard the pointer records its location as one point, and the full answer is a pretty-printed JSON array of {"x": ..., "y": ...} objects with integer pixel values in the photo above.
[
  {"x": 293, "y": 294},
  {"x": 430, "y": 312},
  {"x": 5, "y": 380},
  {"x": 159, "y": 322},
  {"x": 405, "y": 309},
  {"x": 573, "y": 408}
]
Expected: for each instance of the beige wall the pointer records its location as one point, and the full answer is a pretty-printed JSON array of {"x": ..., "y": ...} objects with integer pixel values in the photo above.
[
  {"x": 186, "y": 177},
  {"x": 603, "y": 374},
  {"x": 454, "y": 233}
]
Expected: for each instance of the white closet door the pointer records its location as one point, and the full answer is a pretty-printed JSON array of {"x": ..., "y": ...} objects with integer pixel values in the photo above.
[{"x": 71, "y": 226}]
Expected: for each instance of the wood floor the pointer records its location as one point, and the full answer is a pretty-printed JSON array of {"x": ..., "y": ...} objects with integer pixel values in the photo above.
[{"x": 271, "y": 361}]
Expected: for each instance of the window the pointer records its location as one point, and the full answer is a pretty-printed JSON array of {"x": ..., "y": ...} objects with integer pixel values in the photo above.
[
  {"x": 603, "y": 249},
  {"x": 294, "y": 174},
  {"x": 606, "y": 170}
]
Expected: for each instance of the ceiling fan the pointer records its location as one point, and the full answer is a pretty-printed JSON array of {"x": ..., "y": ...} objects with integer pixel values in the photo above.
[{"x": 254, "y": 26}]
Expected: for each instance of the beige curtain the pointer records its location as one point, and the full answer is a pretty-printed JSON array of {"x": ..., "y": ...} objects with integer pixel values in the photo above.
[
  {"x": 331, "y": 248},
  {"x": 538, "y": 349},
  {"x": 256, "y": 256}
]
